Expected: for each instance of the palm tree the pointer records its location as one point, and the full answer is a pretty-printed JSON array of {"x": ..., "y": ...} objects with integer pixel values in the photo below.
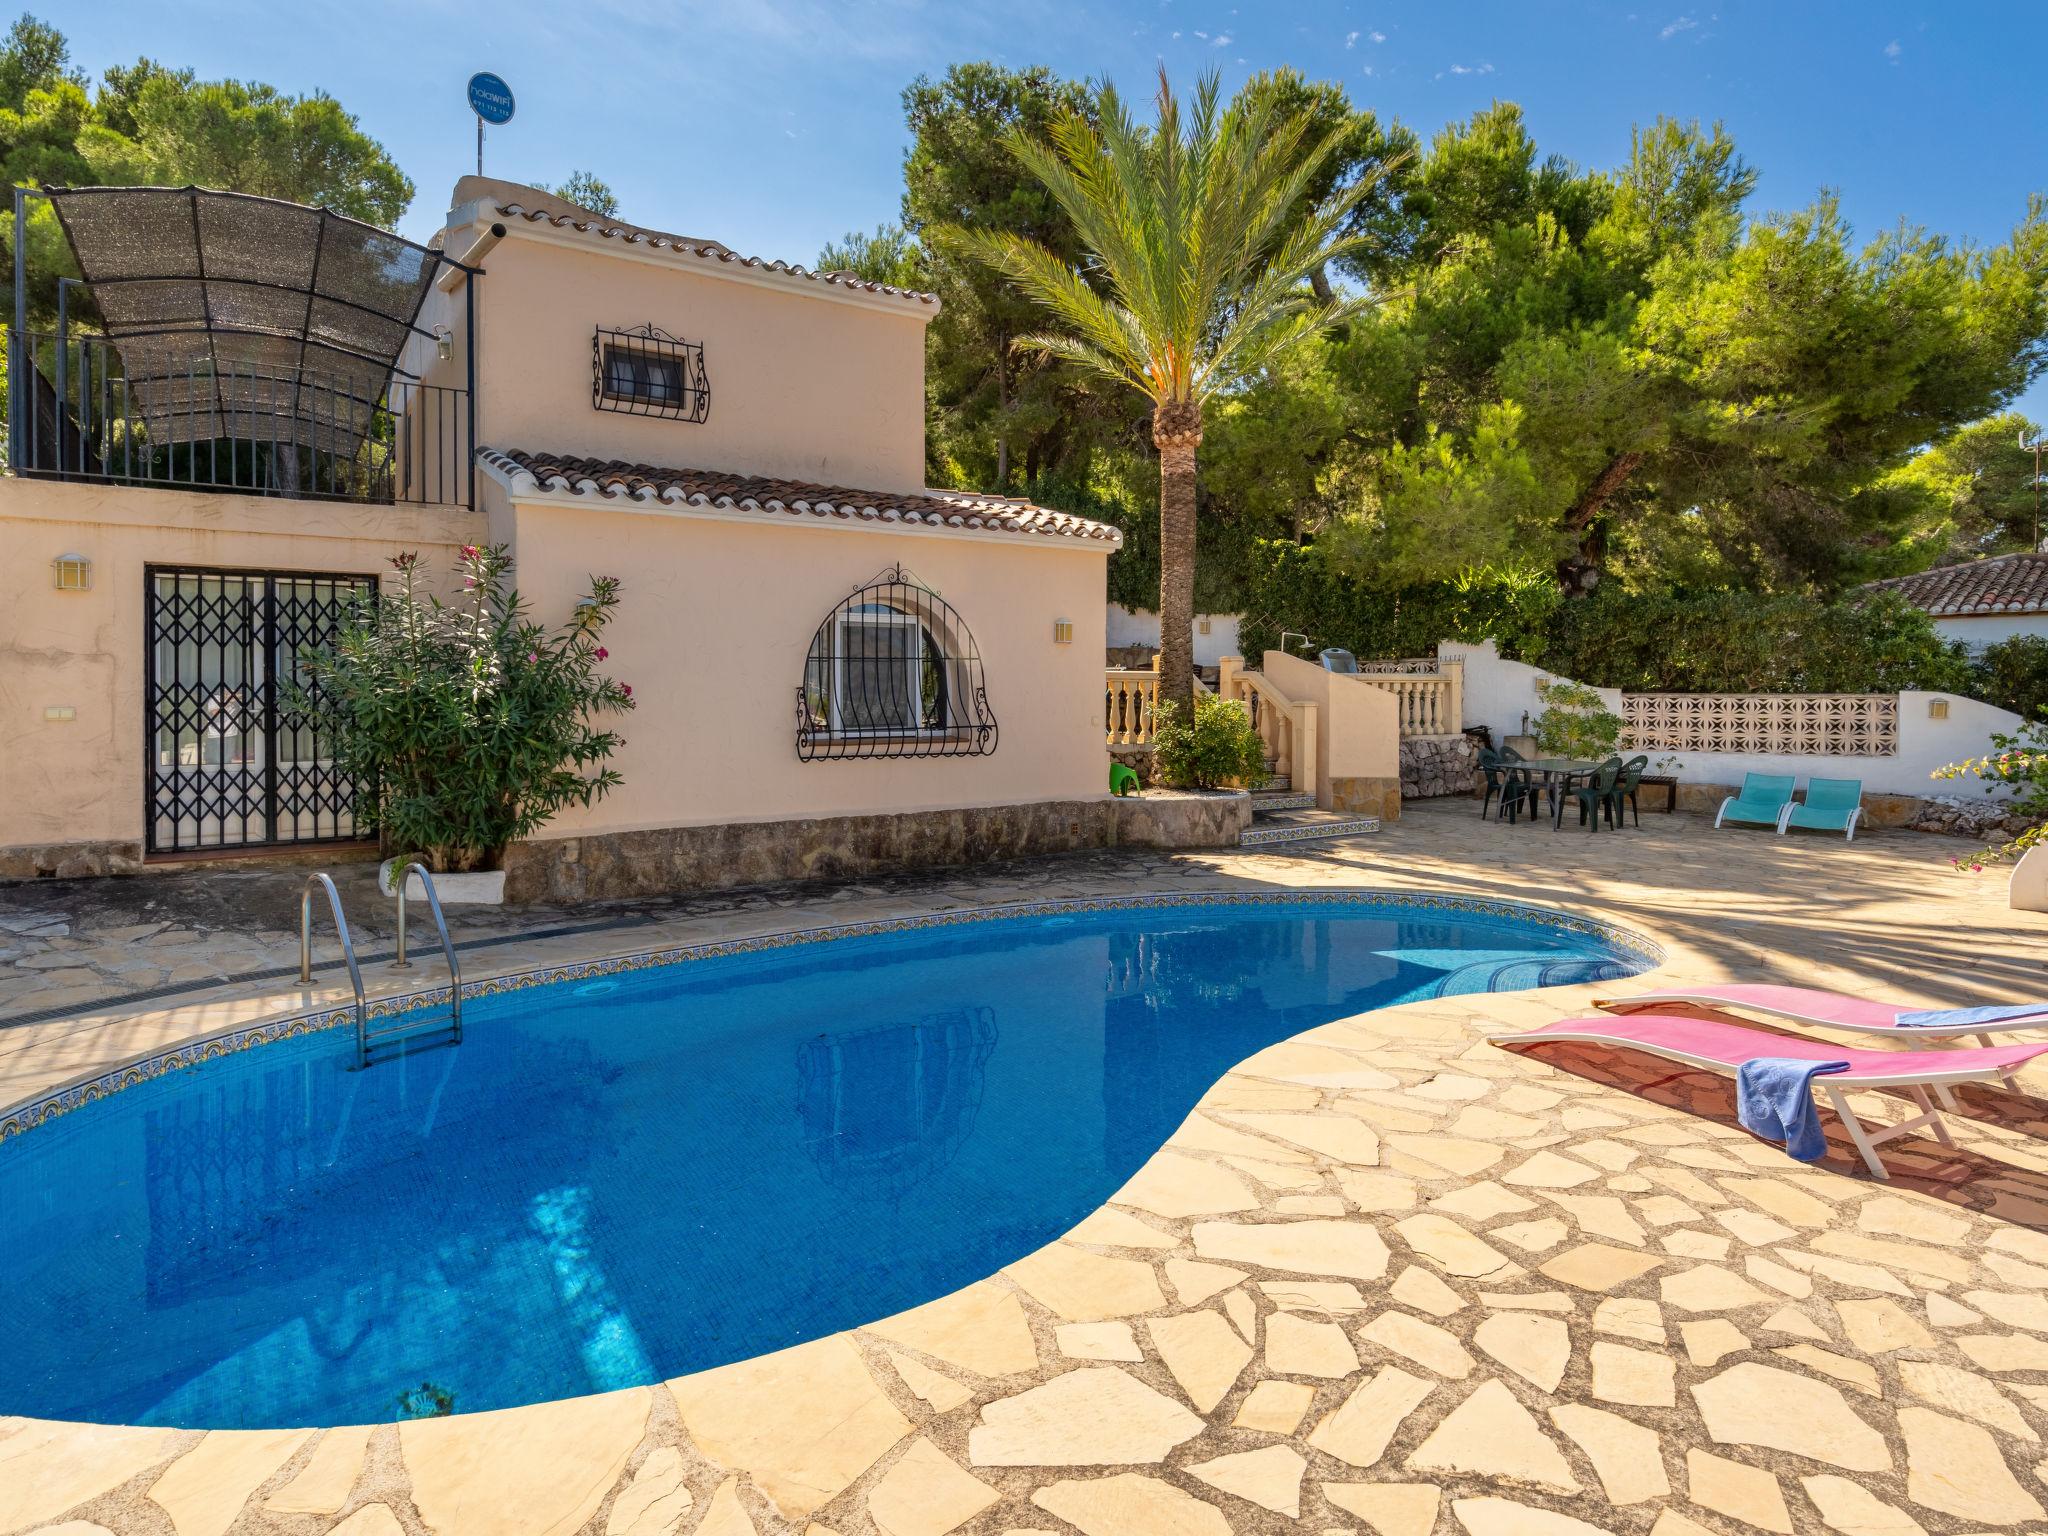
[{"x": 1202, "y": 242}]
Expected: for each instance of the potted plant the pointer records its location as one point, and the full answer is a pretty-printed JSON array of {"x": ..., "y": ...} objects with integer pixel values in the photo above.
[
  {"x": 471, "y": 724},
  {"x": 1575, "y": 722},
  {"x": 1215, "y": 747}
]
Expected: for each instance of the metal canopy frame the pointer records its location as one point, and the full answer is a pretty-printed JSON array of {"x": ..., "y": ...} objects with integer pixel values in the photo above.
[{"x": 284, "y": 308}]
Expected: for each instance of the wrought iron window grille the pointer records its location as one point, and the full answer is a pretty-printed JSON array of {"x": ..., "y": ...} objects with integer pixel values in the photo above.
[
  {"x": 892, "y": 672},
  {"x": 647, "y": 372}
]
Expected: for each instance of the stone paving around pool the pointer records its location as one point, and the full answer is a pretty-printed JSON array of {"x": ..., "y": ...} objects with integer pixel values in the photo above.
[{"x": 1388, "y": 1279}]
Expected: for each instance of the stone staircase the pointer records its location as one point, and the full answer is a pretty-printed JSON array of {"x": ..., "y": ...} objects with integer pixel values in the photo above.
[{"x": 1279, "y": 815}]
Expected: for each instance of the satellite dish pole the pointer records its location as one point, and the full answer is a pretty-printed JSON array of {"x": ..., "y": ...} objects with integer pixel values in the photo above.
[
  {"x": 491, "y": 99},
  {"x": 2035, "y": 447}
]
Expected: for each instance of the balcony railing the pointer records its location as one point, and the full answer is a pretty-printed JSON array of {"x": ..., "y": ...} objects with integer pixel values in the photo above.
[{"x": 267, "y": 431}]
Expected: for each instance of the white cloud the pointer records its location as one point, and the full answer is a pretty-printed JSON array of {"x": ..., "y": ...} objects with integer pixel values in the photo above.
[
  {"x": 1892, "y": 50},
  {"x": 1377, "y": 37},
  {"x": 1221, "y": 40},
  {"x": 1467, "y": 69},
  {"x": 1203, "y": 36},
  {"x": 1682, "y": 24},
  {"x": 1350, "y": 39}
]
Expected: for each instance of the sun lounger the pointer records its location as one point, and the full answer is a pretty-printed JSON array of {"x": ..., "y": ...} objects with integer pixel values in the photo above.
[
  {"x": 1856, "y": 1015},
  {"x": 1762, "y": 801},
  {"x": 1723, "y": 1046},
  {"x": 1837, "y": 1010},
  {"x": 1832, "y": 805}
]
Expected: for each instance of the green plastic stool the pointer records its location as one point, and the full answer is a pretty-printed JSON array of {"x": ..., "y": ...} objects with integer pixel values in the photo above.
[{"x": 1122, "y": 781}]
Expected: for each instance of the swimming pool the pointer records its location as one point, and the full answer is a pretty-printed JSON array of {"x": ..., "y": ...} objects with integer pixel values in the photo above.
[{"x": 623, "y": 1177}]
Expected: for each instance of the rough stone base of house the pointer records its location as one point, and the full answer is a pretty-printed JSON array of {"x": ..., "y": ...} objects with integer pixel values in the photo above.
[
  {"x": 1379, "y": 797},
  {"x": 669, "y": 859},
  {"x": 1433, "y": 766},
  {"x": 69, "y": 861}
]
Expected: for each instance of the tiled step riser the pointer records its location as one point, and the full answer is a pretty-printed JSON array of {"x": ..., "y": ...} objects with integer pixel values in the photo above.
[
  {"x": 1267, "y": 804},
  {"x": 1258, "y": 837}
]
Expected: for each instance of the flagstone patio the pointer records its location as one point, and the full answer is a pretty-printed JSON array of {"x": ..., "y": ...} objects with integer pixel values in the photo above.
[{"x": 1389, "y": 1278}]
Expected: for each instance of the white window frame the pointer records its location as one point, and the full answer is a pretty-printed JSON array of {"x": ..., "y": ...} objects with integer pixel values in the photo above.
[{"x": 879, "y": 616}]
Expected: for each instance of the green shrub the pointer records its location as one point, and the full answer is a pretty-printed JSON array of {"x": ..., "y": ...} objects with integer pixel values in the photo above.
[
  {"x": 2013, "y": 674},
  {"x": 1217, "y": 748},
  {"x": 1745, "y": 642},
  {"x": 472, "y": 723},
  {"x": 1575, "y": 722},
  {"x": 1301, "y": 588},
  {"x": 1657, "y": 642}
]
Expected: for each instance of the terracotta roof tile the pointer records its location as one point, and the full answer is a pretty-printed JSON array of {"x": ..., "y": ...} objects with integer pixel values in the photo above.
[
  {"x": 2003, "y": 584},
  {"x": 709, "y": 250},
  {"x": 960, "y": 511}
]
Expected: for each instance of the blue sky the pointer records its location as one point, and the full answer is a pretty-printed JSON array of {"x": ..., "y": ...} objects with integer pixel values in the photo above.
[{"x": 775, "y": 125}]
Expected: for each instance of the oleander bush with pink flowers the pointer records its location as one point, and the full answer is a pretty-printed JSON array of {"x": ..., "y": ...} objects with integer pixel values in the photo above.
[
  {"x": 2019, "y": 760},
  {"x": 467, "y": 723}
]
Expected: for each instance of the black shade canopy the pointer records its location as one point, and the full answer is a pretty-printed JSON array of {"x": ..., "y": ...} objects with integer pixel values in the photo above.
[{"x": 246, "y": 317}]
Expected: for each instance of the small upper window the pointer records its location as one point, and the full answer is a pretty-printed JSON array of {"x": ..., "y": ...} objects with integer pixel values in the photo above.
[
  {"x": 636, "y": 376},
  {"x": 647, "y": 372}
]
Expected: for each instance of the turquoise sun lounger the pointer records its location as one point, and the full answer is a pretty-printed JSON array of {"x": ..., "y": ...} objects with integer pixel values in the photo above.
[
  {"x": 1762, "y": 801},
  {"x": 1832, "y": 805}
]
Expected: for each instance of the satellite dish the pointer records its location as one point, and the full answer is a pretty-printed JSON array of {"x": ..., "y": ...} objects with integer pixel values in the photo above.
[{"x": 490, "y": 98}]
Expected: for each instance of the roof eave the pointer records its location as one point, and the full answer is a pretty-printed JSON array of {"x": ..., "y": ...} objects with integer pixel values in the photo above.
[{"x": 673, "y": 256}]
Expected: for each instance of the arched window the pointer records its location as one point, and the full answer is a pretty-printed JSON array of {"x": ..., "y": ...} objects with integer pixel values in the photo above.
[{"x": 893, "y": 672}]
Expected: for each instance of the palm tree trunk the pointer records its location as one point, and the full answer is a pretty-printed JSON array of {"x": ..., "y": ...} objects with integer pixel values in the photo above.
[{"x": 1177, "y": 430}]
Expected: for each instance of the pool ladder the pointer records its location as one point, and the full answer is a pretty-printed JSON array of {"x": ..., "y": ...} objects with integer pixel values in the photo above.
[{"x": 365, "y": 1036}]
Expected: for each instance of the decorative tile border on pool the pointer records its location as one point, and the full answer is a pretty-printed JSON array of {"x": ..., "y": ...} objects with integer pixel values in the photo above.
[{"x": 39, "y": 1111}]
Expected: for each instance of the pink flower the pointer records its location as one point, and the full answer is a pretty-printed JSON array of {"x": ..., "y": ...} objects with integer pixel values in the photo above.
[
  {"x": 470, "y": 552},
  {"x": 602, "y": 653},
  {"x": 1977, "y": 869},
  {"x": 533, "y": 656},
  {"x": 627, "y": 689}
]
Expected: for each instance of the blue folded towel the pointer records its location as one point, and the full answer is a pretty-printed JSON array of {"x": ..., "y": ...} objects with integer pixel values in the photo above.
[
  {"x": 1774, "y": 1098},
  {"x": 1962, "y": 1018}
]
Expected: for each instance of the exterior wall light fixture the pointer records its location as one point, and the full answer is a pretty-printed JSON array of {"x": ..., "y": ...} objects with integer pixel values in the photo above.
[
  {"x": 72, "y": 573},
  {"x": 444, "y": 342},
  {"x": 1937, "y": 709},
  {"x": 1062, "y": 631}
]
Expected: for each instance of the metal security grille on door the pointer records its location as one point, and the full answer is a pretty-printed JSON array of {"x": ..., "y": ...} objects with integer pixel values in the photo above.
[{"x": 231, "y": 764}]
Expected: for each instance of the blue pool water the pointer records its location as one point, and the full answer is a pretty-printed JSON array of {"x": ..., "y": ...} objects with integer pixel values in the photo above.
[{"x": 616, "y": 1181}]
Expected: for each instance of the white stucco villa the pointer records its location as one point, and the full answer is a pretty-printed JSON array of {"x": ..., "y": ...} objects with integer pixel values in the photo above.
[{"x": 245, "y": 408}]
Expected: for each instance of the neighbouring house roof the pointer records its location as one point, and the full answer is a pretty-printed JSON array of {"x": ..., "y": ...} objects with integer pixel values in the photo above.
[
  {"x": 613, "y": 480},
  {"x": 2003, "y": 584},
  {"x": 535, "y": 206}
]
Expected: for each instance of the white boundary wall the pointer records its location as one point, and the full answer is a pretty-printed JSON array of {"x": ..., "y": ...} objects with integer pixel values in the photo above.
[
  {"x": 1498, "y": 692},
  {"x": 1140, "y": 626}
]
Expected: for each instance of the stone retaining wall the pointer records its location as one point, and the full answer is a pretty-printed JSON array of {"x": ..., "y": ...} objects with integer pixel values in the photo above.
[
  {"x": 69, "y": 861},
  {"x": 1433, "y": 766},
  {"x": 669, "y": 859}
]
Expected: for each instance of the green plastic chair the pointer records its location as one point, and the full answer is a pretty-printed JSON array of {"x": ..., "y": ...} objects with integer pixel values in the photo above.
[
  {"x": 1832, "y": 805},
  {"x": 1519, "y": 792},
  {"x": 1762, "y": 802},
  {"x": 1122, "y": 781},
  {"x": 1631, "y": 780},
  {"x": 1598, "y": 796}
]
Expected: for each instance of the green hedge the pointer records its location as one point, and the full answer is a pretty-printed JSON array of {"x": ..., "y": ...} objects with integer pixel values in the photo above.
[
  {"x": 1711, "y": 642},
  {"x": 1295, "y": 587},
  {"x": 2013, "y": 674}
]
